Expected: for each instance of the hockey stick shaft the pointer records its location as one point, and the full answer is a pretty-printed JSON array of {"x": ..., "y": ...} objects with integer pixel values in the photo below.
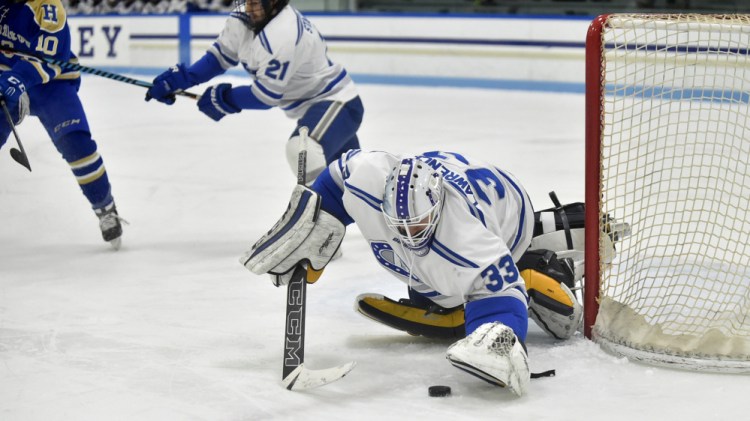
[
  {"x": 294, "y": 339},
  {"x": 295, "y": 375},
  {"x": 98, "y": 72},
  {"x": 18, "y": 155}
]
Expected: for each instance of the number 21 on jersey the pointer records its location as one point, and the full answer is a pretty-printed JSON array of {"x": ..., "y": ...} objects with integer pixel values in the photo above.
[
  {"x": 497, "y": 275},
  {"x": 277, "y": 69}
]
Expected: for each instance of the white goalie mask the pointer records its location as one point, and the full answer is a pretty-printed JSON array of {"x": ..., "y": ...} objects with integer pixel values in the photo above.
[{"x": 412, "y": 202}]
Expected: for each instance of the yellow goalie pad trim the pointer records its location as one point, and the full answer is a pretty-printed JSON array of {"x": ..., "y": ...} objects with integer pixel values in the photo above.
[
  {"x": 313, "y": 275},
  {"x": 417, "y": 315},
  {"x": 545, "y": 285}
]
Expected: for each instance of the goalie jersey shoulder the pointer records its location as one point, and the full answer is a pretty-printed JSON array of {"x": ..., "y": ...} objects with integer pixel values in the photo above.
[{"x": 362, "y": 176}]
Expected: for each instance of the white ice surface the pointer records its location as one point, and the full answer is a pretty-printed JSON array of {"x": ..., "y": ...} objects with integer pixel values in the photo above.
[{"x": 172, "y": 327}]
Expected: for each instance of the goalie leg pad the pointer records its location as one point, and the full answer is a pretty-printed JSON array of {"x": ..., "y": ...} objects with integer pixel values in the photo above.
[
  {"x": 552, "y": 304},
  {"x": 304, "y": 233},
  {"x": 559, "y": 319},
  {"x": 434, "y": 322},
  {"x": 547, "y": 262}
]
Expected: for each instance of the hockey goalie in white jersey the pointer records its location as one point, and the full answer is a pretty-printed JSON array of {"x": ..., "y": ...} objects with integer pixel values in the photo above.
[
  {"x": 286, "y": 58},
  {"x": 458, "y": 232}
]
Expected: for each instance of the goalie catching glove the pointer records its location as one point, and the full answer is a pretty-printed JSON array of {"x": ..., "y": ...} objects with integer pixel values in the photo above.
[{"x": 305, "y": 234}]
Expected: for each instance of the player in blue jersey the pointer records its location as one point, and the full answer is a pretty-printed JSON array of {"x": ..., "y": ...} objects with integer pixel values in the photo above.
[
  {"x": 49, "y": 92},
  {"x": 285, "y": 55}
]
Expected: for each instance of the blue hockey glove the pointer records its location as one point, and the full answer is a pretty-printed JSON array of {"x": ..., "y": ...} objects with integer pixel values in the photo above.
[
  {"x": 216, "y": 102},
  {"x": 13, "y": 93},
  {"x": 167, "y": 83}
]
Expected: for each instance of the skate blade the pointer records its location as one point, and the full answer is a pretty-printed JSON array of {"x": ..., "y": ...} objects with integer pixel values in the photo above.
[{"x": 116, "y": 243}]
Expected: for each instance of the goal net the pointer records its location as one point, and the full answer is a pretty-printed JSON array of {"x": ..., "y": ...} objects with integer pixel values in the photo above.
[{"x": 668, "y": 156}]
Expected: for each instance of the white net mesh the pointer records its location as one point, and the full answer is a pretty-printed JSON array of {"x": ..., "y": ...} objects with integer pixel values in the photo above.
[{"x": 675, "y": 162}]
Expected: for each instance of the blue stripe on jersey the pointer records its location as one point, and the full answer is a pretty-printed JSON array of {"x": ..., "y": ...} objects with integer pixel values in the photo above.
[
  {"x": 522, "y": 222},
  {"x": 264, "y": 42},
  {"x": 429, "y": 294},
  {"x": 417, "y": 295},
  {"x": 299, "y": 28},
  {"x": 333, "y": 83},
  {"x": 241, "y": 16},
  {"x": 267, "y": 91},
  {"x": 224, "y": 56},
  {"x": 294, "y": 104},
  {"x": 369, "y": 199},
  {"x": 328, "y": 88},
  {"x": 450, "y": 255},
  {"x": 343, "y": 168},
  {"x": 473, "y": 209},
  {"x": 444, "y": 155}
]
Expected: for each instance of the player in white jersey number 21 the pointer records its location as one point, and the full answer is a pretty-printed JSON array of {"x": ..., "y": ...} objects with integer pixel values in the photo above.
[
  {"x": 462, "y": 234},
  {"x": 286, "y": 57}
]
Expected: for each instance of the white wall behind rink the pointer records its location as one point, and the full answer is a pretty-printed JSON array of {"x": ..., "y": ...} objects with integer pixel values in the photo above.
[{"x": 538, "y": 53}]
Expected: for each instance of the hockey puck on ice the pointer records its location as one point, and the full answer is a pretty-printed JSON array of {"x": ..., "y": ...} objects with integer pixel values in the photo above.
[{"x": 439, "y": 391}]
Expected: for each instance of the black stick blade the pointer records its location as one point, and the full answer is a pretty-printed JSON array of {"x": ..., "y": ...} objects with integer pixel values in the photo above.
[{"x": 20, "y": 157}]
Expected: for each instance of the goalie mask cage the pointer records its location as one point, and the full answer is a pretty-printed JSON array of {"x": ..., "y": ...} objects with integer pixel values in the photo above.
[{"x": 668, "y": 152}]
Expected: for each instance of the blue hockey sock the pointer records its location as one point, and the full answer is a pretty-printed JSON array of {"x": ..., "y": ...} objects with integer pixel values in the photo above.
[{"x": 509, "y": 311}]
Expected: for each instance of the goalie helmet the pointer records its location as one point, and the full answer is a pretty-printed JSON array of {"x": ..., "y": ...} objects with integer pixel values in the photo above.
[
  {"x": 412, "y": 202},
  {"x": 257, "y": 13}
]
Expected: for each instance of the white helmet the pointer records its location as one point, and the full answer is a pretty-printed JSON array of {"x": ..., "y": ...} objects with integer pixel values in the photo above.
[{"x": 412, "y": 202}]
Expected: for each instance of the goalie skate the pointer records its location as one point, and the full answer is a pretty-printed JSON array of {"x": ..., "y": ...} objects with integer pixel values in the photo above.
[{"x": 494, "y": 354}]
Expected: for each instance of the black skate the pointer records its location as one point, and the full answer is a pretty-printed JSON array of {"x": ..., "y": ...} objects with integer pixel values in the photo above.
[{"x": 110, "y": 224}]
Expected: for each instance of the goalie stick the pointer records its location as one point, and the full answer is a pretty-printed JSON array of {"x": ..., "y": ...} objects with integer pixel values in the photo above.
[
  {"x": 103, "y": 73},
  {"x": 18, "y": 155},
  {"x": 295, "y": 376}
]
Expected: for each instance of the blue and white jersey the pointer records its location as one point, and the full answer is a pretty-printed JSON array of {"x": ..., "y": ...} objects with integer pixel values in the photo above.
[
  {"x": 287, "y": 60},
  {"x": 37, "y": 27},
  {"x": 485, "y": 226}
]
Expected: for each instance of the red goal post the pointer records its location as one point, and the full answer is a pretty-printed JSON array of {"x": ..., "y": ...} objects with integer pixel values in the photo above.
[{"x": 668, "y": 154}]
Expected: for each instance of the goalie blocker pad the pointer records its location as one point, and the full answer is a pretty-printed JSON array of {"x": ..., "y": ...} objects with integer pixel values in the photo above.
[{"x": 304, "y": 234}]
